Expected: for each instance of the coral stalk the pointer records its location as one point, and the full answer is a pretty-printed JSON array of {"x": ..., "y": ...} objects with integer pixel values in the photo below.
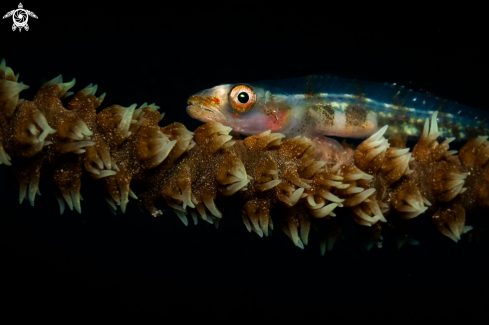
[{"x": 382, "y": 187}]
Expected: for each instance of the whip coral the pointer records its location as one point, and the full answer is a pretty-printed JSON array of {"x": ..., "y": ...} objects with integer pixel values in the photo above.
[{"x": 382, "y": 187}]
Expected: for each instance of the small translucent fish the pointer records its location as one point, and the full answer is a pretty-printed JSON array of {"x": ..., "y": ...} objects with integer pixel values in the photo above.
[{"x": 318, "y": 106}]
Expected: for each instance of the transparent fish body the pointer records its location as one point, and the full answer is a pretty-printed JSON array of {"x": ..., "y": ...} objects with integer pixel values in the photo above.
[{"x": 330, "y": 106}]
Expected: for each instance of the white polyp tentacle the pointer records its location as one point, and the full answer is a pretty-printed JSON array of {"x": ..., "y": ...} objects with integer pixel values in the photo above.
[{"x": 4, "y": 157}]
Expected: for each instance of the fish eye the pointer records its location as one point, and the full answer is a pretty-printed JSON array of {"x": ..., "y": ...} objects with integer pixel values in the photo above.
[{"x": 242, "y": 97}]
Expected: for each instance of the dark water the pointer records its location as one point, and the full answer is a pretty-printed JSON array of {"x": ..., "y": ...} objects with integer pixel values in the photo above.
[{"x": 96, "y": 263}]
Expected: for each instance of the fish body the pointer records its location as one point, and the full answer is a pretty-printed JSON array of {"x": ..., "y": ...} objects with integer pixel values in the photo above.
[{"x": 318, "y": 106}]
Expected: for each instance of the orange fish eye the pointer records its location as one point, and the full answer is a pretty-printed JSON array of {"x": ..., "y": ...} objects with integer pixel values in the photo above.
[{"x": 242, "y": 97}]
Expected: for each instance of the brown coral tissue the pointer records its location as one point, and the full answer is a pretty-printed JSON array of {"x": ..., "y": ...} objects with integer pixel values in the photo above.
[{"x": 129, "y": 155}]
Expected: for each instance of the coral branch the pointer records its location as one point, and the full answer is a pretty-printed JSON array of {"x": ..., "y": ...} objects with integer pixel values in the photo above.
[{"x": 383, "y": 187}]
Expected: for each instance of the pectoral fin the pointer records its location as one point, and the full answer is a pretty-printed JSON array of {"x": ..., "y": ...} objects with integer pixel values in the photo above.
[{"x": 330, "y": 150}]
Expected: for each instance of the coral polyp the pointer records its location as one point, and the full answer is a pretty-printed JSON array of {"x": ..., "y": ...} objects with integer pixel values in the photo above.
[{"x": 383, "y": 185}]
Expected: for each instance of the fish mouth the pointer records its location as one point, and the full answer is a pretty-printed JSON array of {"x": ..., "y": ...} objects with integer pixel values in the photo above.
[{"x": 205, "y": 109}]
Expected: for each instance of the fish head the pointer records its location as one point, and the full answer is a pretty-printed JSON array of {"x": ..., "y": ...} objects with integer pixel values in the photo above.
[{"x": 248, "y": 109}]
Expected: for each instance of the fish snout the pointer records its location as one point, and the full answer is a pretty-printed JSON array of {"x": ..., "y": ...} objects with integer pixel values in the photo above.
[
  {"x": 205, "y": 108},
  {"x": 206, "y": 102}
]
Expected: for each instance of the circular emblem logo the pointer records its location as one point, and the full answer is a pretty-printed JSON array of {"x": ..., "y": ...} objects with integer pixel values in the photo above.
[{"x": 20, "y": 17}]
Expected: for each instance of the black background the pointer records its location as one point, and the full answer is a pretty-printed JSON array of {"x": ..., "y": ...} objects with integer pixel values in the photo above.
[{"x": 100, "y": 265}]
